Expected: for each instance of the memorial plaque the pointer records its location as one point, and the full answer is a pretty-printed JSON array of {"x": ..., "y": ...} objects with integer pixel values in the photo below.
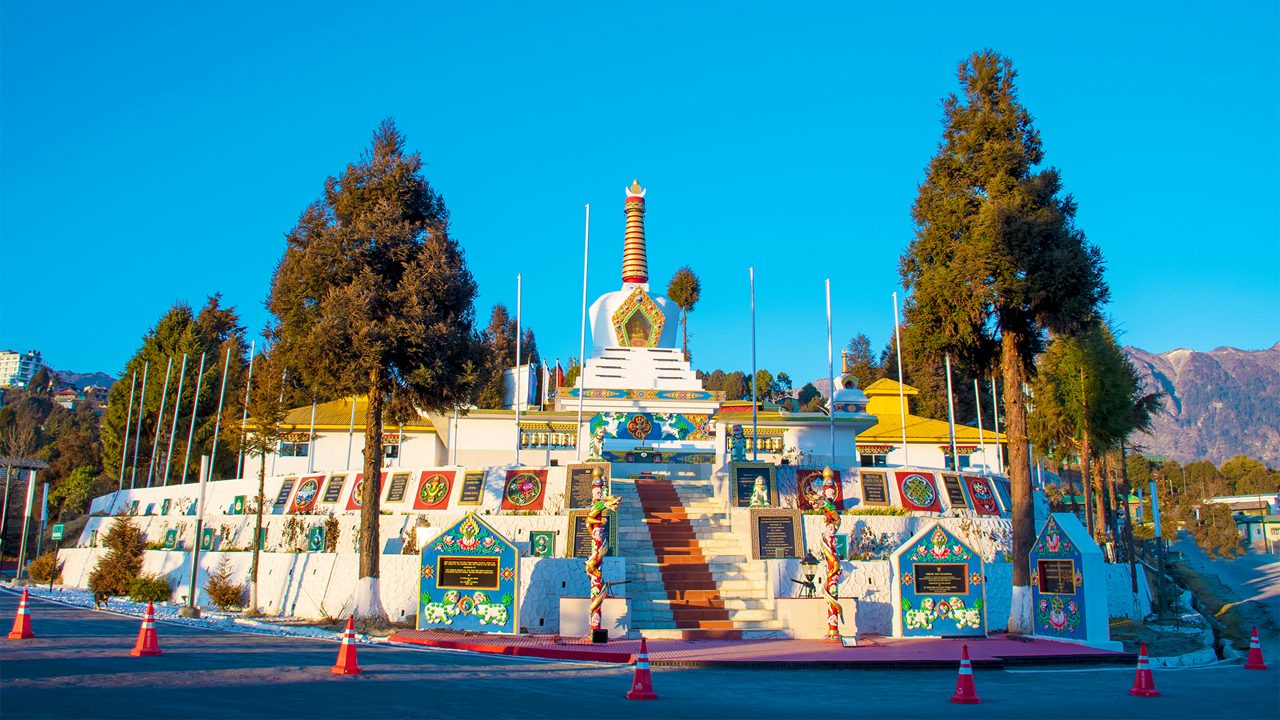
[
  {"x": 469, "y": 580},
  {"x": 170, "y": 539},
  {"x": 206, "y": 539},
  {"x": 580, "y": 534},
  {"x": 467, "y": 573},
  {"x": 743, "y": 479},
  {"x": 955, "y": 492},
  {"x": 1056, "y": 577},
  {"x": 286, "y": 488},
  {"x": 333, "y": 490},
  {"x": 399, "y": 482},
  {"x": 237, "y": 505},
  {"x": 542, "y": 543},
  {"x": 776, "y": 534},
  {"x": 875, "y": 489},
  {"x": 472, "y": 492},
  {"x": 315, "y": 539},
  {"x": 941, "y": 578},
  {"x": 577, "y": 490}
]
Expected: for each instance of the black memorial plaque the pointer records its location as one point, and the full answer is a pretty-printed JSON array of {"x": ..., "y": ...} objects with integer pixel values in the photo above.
[
  {"x": 333, "y": 490},
  {"x": 744, "y": 482},
  {"x": 580, "y": 534},
  {"x": 875, "y": 488},
  {"x": 1056, "y": 577},
  {"x": 455, "y": 572},
  {"x": 577, "y": 492},
  {"x": 472, "y": 488},
  {"x": 399, "y": 481},
  {"x": 955, "y": 493},
  {"x": 285, "y": 489},
  {"x": 941, "y": 578},
  {"x": 776, "y": 534}
]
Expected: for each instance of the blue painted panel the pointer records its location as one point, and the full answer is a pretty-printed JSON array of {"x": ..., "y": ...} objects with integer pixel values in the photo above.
[
  {"x": 1057, "y": 584},
  {"x": 469, "y": 580},
  {"x": 942, "y": 586}
]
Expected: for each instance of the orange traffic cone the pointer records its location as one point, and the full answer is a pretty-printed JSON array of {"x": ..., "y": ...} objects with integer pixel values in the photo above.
[
  {"x": 346, "y": 664},
  {"x": 1253, "y": 663},
  {"x": 642, "y": 685},
  {"x": 1144, "y": 685},
  {"x": 148, "y": 643},
  {"x": 966, "y": 691},
  {"x": 22, "y": 622}
]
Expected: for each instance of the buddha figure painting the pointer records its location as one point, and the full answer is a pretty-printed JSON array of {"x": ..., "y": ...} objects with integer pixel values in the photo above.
[{"x": 638, "y": 330}]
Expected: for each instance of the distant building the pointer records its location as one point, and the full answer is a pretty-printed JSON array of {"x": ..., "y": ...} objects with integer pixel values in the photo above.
[
  {"x": 17, "y": 369},
  {"x": 1260, "y": 533},
  {"x": 1254, "y": 505},
  {"x": 928, "y": 440},
  {"x": 67, "y": 398}
]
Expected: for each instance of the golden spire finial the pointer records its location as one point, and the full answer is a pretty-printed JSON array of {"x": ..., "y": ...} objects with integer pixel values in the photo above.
[{"x": 635, "y": 264}]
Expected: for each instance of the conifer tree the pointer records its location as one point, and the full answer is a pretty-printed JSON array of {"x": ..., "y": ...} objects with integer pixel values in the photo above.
[
  {"x": 373, "y": 297},
  {"x": 997, "y": 260},
  {"x": 685, "y": 289}
]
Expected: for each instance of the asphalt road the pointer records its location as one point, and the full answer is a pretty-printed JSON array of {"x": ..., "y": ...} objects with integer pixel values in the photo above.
[
  {"x": 1255, "y": 582},
  {"x": 78, "y": 666}
]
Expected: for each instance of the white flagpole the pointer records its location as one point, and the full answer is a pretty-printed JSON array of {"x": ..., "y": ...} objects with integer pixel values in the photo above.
[
  {"x": 831, "y": 378},
  {"x": 217, "y": 424},
  {"x": 137, "y": 433},
  {"x": 351, "y": 431},
  {"x": 902, "y": 400},
  {"x": 518, "y": 372},
  {"x": 582, "y": 341},
  {"x": 177, "y": 409},
  {"x": 995, "y": 426},
  {"x": 951, "y": 419},
  {"x": 191, "y": 431},
  {"x": 124, "y": 451},
  {"x": 755, "y": 437},
  {"x": 982, "y": 441},
  {"x": 311, "y": 433},
  {"x": 284, "y": 376},
  {"x": 164, "y": 395},
  {"x": 244, "y": 417}
]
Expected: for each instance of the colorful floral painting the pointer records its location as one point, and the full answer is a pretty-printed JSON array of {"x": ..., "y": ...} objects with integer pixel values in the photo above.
[
  {"x": 433, "y": 490},
  {"x": 304, "y": 500},
  {"x": 1057, "y": 585},
  {"x": 941, "y": 586},
  {"x": 524, "y": 490},
  {"x": 356, "y": 499},
  {"x": 809, "y": 489},
  {"x": 983, "y": 495},
  {"x": 469, "y": 580}
]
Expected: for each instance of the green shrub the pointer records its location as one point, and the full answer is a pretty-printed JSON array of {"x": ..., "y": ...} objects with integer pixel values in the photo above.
[
  {"x": 150, "y": 588},
  {"x": 116, "y": 571},
  {"x": 863, "y": 510},
  {"x": 40, "y": 569},
  {"x": 221, "y": 590}
]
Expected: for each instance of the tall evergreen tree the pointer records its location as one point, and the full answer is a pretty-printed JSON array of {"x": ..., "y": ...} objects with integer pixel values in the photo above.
[
  {"x": 499, "y": 341},
  {"x": 685, "y": 289},
  {"x": 996, "y": 260},
  {"x": 860, "y": 362},
  {"x": 374, "y": 297}
]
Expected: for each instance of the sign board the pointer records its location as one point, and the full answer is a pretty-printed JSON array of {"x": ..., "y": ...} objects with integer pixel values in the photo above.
[
  {"x": 918, "y": 491},
  {"x": 206, "y": 539},
  {"x": 304, "y": 501},
  {"x": 577, "y": 488},
  {"x": 170, "y": 539},
  {"x": 434, "y": 488},
  {"x": 524, "y": 490},
  {"x": 982, "y": 494},
  {"x": 56, "y": 532},
  {"x": 1068, "y": 584},
  {"x": 542, "y": 543},
  {"x": 580, "y": 535},
  {"x": 315, "y": 539},
  {"x": 742, "y": 479},
  {"x": 939, "y": 586},
  {"x": 875, "y": 488},
  {"x": 333, "y": 489},
  {"x": 472, "y": 492},
  {"x": 776, "y": 534},
  {"x": 809, "y": 489},
  {"x": 164, "y": 506},
  {"x": 237, "y": 505},
  {"x": 286, "y": 489},
  {"x": 955, "y": 491},
  {"x": 469, "y": 580},
  {"x": 399, "y": 485}
]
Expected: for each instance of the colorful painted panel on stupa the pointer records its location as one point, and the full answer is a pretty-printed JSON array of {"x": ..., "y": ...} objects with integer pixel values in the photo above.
[
  {"x": 1057, "y": 584},
  {"x": 469, "y": 580},
  {"x": 524, "y": 490},
  {"x": 919, "y": 491},
  {"x": 809, "y": 489},
  {"x": 653, "y": 426},
  {"x": 638, "y": 322},
  {"x": 639, "y": 394},
  {"x": 940, "y": 586}
]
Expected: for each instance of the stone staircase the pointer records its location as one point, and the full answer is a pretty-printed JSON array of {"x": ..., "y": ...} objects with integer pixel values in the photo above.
[{"x": 689, "y": 574}]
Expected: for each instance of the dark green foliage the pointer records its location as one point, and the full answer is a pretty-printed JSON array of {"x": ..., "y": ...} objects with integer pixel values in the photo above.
[
  {"x": 810, "y": 398},
  {"x": 116, "y": 571},
  {"x": 73, "y": 493},
  {"x": 929, "y": 376},
  {"x": 685, "y": 289},
  {"x": 499, "y": 342},
  {"x": 149, "y": 587},
  {"x": 1216, "y": 532},
  {"x": 860, "y": 363},
  {"x": 222, "y": 591}
]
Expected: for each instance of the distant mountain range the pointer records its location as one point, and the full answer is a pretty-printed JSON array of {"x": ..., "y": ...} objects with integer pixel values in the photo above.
[
  {"x": 80, "y": 381},
  {"x": 1218, "y": 404}
]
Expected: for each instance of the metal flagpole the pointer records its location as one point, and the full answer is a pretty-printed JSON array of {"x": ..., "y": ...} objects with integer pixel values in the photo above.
[
  {"x": 311, "y": 432},
  {"x": 44, "y": 519},
  {"x": 453, "y": 439},
  {"x": 582, "y": 338},
  {"x": 124, "y": 451},
  {"x": 195, "y": 408},
  {"x": 164, "y": 395},
  {"x": 137, "y": 435},
  {"x": 217, "y": 424},
  {"x": 995, "y": 426},
  {"x": 902, "y": 400},
  {"x": 831, "y": 378},
  {"x": 518, "y": 373},
  {"x": 244, "y": 416},
  {"x": 351, "y": 431},
  {"x": 755, "y": 437},
  {"x": 177, "y": 410},
  {"x": 26, "y": 523},
  {"x": 400, "y": 445},
  {"x": 951, "y": 419},
  {"x": 195, "y": 546},
  {"x": 284, "y": 376},
  {"x": 982, "y": 443}
]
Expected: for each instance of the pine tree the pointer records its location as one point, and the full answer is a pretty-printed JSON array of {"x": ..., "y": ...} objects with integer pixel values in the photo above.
[
  {"x": 997, "y": 260},
  {"x": 374, "y": 297},
  {"x": 499, "y": 340},
  {"x": 116, "y": 571},
  {"x": 685, "y": 289}
]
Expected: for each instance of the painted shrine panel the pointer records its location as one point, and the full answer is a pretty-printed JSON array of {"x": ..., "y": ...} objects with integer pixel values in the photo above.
[
  {"x": 356, "y": 499},
  {"x": 433, "y": 490},
  {"x": 638, "y": 322},
  {"x": 469, "y": 580},
  {"x": 918, "y": 490},
  {"x": 652, "y": 426},
  {"x": 983, "y": 495},
  {"x": 524, "y": 490},
  {"x": 1057, "y": 584},
  {"x": 940, "y": 586},
  {"x": 809, "y": 489},
  {"x": 304, "y": 500}
]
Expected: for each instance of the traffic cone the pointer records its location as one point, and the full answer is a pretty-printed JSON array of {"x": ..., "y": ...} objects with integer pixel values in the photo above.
[
  {"x": 148, "y": 643},
  {"x": 22, "y": 623},
  {"x": 346, "y": 664},
  {"x": 1144, "y": 685},
  {"x": 1253, "y": 663},
  {"x": 966, "y": 692},
  {"x": 642, "y": 685}
]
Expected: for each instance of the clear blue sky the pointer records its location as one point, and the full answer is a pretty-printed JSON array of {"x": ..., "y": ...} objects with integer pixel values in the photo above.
[{"x": 153, "y": 153}]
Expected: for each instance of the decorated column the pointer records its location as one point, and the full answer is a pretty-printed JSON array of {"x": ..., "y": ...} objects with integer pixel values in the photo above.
[
  {"x": 635, "y": 264},
  {"x": 601, "y": 504},
  {"x": 831, "y": 587}
]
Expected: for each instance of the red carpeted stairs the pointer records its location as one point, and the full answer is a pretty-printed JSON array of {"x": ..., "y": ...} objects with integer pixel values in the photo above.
[{"x": 696, "y": 605}]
